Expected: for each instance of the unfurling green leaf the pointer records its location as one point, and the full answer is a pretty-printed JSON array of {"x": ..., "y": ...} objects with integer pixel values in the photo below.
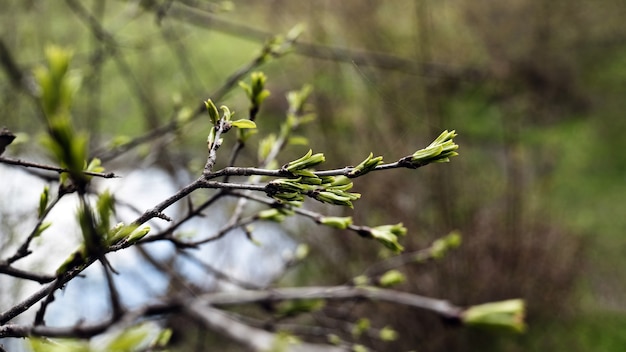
[
  {"x": 163, "y": 338},
  {"x": 275, "y": 215},
  {"x": 298, "y": 140},
  {"x": 308, "y": 160},
  {"x": 138, "y": 234},
  {"x": 361, "y": 326},
  {"x": 440, "y": 150},
  {"x": 243, "y": 124},
  {"x": 78, "y": 257},
  {"x": 105, "y": 207},
  {"x": 441, "y": 246},
  {"x": 505, "y": 315},
  {"x": 301, "y": 252},
  {"x": 256, "y": 90},
  {"x": 265, "y": 146},
  {"x": 388, "y": 334},
  {"x": 56, "y": 85},
  {"x": 297, "y": 99},
  {"x": 366, "y": 166},
  {"x": 359, "y": 348},
  {"x": 214, "y": 115},
  {"x": 95, "y": 165},
  {"x": 391, "y": 278},
  {"x": 388, "y": 235},
  {"x": 341, "y": 223},
  {"x": 361, "y": 280},
  {"x": 226, "y": 113},
  {"x": 43, "y": 201},
  {"x": 344, "y": 199},
  {"x": 41, "y": 228}
]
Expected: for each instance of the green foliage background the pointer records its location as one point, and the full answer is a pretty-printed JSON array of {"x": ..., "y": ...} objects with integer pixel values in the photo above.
[{"x": 534, "y": 87}]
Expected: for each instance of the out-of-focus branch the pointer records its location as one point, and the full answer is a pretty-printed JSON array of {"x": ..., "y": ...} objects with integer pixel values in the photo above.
[
  {"x": 11, "y": 271},
  {"x": 13, "y": 71},
  {"x": 126, "y": 71},
  {"x": 197, "y": 17},
  {"x": 256, "y": 339},
  {"x": 23, "y": 163},
  {"x": 439, "y": 306}
]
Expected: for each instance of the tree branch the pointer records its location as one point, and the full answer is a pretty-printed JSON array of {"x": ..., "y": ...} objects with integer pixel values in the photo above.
[
  {"x": 59, "y": 170},
  {"x": 441, "y": 307},
  {"x": 253, "y": 338}
]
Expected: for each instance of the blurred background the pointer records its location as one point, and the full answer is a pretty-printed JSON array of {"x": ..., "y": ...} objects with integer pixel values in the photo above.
[{"x": 535, "y": 88}]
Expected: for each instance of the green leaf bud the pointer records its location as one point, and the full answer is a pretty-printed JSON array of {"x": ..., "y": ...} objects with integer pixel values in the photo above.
[
  {"x": 505, "y": 315},
  {"x": 214, "y": 115},
  {"x": 332, "y": 198},
  {"x": 391, "y": 278},
  {"x": 271, "y": 215},
  {"x": 366, "y": 166},
  {"x": 226, "y": 113},
  {"x": 440, "y": 150},
  {"x": 265, "y": 146},
  {"x": 361, "y": 280},
  {"x": 337, "y": 222},
  {"x": 138, "y": 234},
  {"x": 388, "y": 235},
  {"x": 243, "y": 124},
  {"x": 41, "y": 228},
  {"x": 388, "y": 334},
  {"x": 361, "y": 326},
  {"x": 43, "y": 201},
  {"x": 305, "y": 162}
]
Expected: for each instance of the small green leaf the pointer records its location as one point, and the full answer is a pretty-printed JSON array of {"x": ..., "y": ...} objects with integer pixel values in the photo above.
[
  {"x": 308, "y": 160},
  {"x": 366, "y": 166},
  {"x": 505, "y": 315},
  {"x": 95, "y": 165},
  {"x": 361, "y": 326},
  {"x": 76, "y": 258},
  {"x": 298, "y": 140},
  {"x": 129, "y": 339},
  {"x": 226, "y": 113},
  {"x": 341, "y": 223},
  {"x": 361, "y": 280},
  {"x": 41, "y": 228},
  {"x": 105, "y": 207},
  {"x": 302, "y": 251},
  {"x": 388, "y": 235},
  {"x": 43, "y": 201},
  {"x": 359, "y": 348},
  {"x": 388, "y": 334},
  {"x": 214, "y": 115},
  {"x": 138, "y": 234},
  {"x": 271, "y": 215},
  {"x": 391, "y": 278},
  {"x": 163, "y": 338},
  {"x": 243, "y": 124}
]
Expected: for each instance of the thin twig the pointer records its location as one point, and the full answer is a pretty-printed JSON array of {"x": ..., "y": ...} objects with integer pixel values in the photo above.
[
  {"x": 11, "y": 271},
  {"x": 57, "y": 169},
  {"x": 23, "y": 250},
  {"x": 194, "y": 16}
]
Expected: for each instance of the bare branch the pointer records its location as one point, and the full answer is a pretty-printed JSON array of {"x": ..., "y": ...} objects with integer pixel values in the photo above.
[
  {"x": 11, "y": 271},
  {"x": 256, "y": 339},
  {"x": 441, "y": 307},
  {"x": 60, "y": 170},
  {"x": 379, "y": 60}
]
